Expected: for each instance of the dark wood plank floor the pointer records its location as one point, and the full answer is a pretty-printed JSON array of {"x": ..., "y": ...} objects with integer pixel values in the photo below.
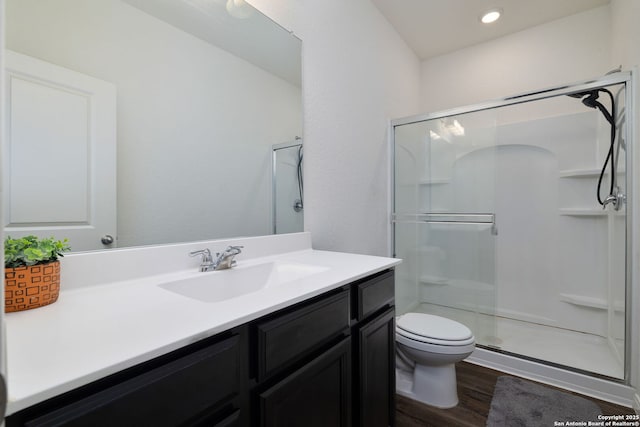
[{"x": 475, "y": 390}]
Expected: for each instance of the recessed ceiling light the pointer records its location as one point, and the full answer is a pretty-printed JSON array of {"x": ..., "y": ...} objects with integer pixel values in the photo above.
[{"x": 490, "y": 16}]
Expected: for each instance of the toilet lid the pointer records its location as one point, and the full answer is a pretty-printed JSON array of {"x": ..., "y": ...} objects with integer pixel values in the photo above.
[{"x": 436, "y": 327}]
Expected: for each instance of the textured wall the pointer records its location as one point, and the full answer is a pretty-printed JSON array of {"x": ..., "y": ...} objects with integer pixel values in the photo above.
[{"x": 357, "y": 75}]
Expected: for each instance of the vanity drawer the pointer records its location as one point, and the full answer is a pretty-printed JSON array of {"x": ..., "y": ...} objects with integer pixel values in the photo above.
[
  {"x": 169, "y": 395},
  {"x": 374, "y": 293},
  {"x": 294, "y": 335}
]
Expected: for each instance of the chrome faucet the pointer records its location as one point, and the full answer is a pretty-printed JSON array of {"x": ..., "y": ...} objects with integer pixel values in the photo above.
[{"x": 223, "y": 261}]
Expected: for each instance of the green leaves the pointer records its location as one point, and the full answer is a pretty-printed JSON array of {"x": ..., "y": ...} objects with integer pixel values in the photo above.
[{"x": 31, "y": 250}]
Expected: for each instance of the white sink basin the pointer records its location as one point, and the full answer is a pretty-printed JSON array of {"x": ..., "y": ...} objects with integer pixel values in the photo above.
[{"x": 215, "y": 286}]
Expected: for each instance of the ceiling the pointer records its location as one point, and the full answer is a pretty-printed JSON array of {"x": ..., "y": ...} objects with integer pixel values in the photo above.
[{"x": 435, "y": 27}]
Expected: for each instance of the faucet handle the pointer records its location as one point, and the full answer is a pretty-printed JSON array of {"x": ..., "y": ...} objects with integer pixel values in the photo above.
[{"x": 206, "y": 255}]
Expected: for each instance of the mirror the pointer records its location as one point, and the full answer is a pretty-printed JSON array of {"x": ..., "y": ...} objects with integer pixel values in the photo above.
[{"x": 149, "y": 121}]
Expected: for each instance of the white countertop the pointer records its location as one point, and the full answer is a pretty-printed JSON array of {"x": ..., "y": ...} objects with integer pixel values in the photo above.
[{"x": 95, "y": 331}]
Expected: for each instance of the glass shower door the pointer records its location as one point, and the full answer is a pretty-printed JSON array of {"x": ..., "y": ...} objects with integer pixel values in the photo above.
[
  {"x": 445, "y": 222},
  {"x": 498, "y": 216}
]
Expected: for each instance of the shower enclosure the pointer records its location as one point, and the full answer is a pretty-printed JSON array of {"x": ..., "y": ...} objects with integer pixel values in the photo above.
[
  {"x": 287, "y": 187},
  {"x": 498, "y": 217}
]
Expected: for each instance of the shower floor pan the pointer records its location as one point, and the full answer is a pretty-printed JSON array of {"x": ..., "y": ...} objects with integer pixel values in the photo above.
[{"x": 576, "y": 350}]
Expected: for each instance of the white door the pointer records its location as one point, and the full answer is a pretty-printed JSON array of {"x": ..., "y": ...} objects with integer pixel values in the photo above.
[{"x": 59, "y": 165}]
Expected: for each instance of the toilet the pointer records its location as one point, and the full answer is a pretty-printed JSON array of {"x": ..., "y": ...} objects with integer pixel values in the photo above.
[{"x": 427, "y": 349}]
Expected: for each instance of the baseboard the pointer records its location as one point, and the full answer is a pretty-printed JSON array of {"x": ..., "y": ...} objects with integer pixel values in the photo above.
[{"x": 636, "y": 403}]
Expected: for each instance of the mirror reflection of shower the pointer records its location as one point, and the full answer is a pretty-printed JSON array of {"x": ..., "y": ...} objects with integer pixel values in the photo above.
[
  {"x": 288, "y": 187},
  {"x": 298, "y": 204}
]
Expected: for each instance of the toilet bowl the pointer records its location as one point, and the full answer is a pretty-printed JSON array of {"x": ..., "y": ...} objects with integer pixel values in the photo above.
[{"x": 427, "y": 349}]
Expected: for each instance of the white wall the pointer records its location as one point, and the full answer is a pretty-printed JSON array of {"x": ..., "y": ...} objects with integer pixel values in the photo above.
[
  {"x": 195, "y": 123},
  {"x": 625, "y": 16},
  {"x": 625, "y": 33},
  {"x": 357, "y": 75},
  {"x": 563, "y": 51}
]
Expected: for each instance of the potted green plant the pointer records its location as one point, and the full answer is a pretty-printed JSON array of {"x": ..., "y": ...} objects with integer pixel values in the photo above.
[{"x": 32, "y": 271}]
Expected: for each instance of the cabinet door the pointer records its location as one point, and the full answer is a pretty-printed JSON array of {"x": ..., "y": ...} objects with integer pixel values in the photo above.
[
  {"x": 169, "y": 395},
  {"x": 376, "y": 376},
  {"x": 316, "y": 395}
]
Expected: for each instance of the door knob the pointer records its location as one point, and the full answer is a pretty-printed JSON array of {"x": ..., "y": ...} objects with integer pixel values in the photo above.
[{"x": 107, "y": 239}]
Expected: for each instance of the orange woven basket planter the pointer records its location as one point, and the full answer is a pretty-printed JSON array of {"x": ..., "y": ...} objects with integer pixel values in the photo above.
[{"x": 31, "y": 287}]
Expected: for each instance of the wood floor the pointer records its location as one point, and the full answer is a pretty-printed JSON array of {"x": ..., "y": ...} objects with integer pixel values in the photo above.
[{"x": 475, "y": 390}]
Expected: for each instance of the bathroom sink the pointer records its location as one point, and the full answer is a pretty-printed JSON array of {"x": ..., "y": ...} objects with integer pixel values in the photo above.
[{"x": 216, "y": 286}]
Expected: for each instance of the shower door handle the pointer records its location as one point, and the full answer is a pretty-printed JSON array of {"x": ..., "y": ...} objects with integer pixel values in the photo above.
[{"x": 455, "y": 218}]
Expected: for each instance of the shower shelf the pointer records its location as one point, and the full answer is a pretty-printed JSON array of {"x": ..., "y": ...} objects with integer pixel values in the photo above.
[
  {"x": 591, "y": 302},
  {"x": 433, "y": 280},
  {"x": 583, "y": 173},
  {"x": 468, "y": 285},
  {"x": 586, "y": 212}
]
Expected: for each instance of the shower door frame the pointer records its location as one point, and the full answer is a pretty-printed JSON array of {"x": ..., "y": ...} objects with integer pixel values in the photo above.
[{"x": 632, "y": 166}]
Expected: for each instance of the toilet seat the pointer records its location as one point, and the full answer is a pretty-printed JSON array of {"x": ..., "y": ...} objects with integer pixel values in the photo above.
[
  {"x": 427, "y": 347},
  {"x": 436, "y": 330}
]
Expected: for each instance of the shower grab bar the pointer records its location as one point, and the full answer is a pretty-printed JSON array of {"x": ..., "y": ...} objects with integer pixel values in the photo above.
[{"x": 447, "y": 218}]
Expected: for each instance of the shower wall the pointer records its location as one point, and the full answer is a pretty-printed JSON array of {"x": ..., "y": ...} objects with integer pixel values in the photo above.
[{"x": 553, "y": 238}]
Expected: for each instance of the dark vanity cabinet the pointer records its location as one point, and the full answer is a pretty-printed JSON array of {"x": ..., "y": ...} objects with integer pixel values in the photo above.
[
  {"x": 327, "y": 361},
  {"x": 200, "y": 385},
  {"x": 373, "y": 335},
  {"x": 333, "y": 359},
  {"x": 304, "y": 364}
]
